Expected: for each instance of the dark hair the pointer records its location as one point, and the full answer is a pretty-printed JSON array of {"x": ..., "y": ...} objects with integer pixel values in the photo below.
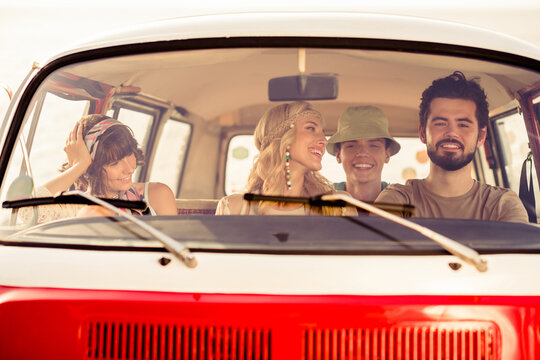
[
  {"x": 115, "y": 143},
  {"x": 455, "y": 86}
]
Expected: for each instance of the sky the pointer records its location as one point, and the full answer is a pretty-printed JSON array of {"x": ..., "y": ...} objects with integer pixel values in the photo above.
[{"x": 34, "y": 30}]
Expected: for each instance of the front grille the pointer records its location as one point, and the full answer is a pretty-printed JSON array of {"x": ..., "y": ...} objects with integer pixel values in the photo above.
[
  {"x": 478, "y": 341},
  {"x": 151, "y": 340},
  {"x": 116, "y": 339}
]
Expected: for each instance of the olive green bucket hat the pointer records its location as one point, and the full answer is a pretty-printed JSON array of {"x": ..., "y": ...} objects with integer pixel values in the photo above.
[{"x": 362, "y": 122}]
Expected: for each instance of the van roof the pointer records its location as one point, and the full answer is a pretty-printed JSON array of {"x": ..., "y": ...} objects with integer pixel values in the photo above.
[{"x": 312, "y": 24}]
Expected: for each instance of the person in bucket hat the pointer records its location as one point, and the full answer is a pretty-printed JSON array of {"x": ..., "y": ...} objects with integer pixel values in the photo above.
[{"x": 362, "y": 144}]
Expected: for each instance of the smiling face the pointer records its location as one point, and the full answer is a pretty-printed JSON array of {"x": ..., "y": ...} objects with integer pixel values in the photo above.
[
  {"x": 117, "y": 175},
  {"x": 451, "y": 134},
  {"x": 363, "y": 159},
  {"x": 308, "y": 145}
]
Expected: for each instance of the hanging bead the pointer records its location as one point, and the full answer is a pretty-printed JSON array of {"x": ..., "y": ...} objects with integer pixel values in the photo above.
[{"x": 287, "y": 167}]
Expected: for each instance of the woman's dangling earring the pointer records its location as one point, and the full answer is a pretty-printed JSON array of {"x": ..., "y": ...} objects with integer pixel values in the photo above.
[{"x": 287, "y": 167}]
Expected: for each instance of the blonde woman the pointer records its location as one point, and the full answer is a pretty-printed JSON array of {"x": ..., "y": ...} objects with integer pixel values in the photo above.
[{"x": 291, "y": 143}]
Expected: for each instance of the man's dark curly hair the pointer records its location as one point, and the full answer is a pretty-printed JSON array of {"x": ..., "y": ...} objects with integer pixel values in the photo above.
[{"x": 455, "y": 86}]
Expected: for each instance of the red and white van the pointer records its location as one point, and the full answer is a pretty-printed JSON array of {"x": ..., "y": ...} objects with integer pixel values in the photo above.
[{"x": 198, "y": 286}]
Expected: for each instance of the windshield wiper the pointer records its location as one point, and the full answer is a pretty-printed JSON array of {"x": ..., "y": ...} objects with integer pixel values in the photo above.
[
  {"x": 463, "y": 252},
  {"x": 70, "y": 197},
  {"x": 404, "y": 209},
  {"x": 174, "y": 247}
]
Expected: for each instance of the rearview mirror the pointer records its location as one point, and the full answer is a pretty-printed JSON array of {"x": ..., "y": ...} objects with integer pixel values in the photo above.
[{"x": 303, "y": 87}]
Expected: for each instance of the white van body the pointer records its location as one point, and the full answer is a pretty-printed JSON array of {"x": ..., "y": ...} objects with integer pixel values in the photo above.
[{"x": 263, "y": 287}]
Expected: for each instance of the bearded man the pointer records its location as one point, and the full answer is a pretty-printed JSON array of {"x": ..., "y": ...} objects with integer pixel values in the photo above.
[{"x": 453, "y": 122}]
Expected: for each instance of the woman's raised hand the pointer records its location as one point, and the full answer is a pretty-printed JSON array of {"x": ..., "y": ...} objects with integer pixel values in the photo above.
[
  {"x": 76, "y": 150},
  {"x": 79, "y": 160}
]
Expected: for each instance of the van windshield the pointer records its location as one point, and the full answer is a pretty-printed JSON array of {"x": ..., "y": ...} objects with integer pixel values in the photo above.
[{"x": 180, "y": 130}]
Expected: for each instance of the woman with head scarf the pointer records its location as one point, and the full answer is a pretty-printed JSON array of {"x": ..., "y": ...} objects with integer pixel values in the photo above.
[{"x": 102, "y": 157}]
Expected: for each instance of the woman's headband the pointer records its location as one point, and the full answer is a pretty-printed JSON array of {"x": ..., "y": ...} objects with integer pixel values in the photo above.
[
  {"x": 94, "y": 134},
  {"x": 285, "y": 125}
]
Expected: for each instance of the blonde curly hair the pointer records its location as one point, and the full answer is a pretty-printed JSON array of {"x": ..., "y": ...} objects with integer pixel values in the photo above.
[{"x": 274, "y": 132}]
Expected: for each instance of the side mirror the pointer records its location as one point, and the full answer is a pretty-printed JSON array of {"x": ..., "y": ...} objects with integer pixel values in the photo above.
[
  {"x": 303, "y": 87},
  {"x": 21, "y": 188}
]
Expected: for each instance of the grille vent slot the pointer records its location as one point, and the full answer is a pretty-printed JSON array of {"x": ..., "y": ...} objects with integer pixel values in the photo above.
[
  {"x": 152, "y": 340},
  {"x": 477, "y": 342}
]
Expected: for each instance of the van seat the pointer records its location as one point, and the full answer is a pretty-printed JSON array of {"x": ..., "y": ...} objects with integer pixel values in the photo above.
[{"x": 196, "y": 206}]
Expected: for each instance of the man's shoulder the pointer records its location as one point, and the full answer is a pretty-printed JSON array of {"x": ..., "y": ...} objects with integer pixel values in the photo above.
[
  {"x": 397, "y": 193},
  {"x": 495, "y": 191},
  {"x": 507, "y": 204},
  {"x": 407, "y": 187},
  {"x": 497, "y": 194}
]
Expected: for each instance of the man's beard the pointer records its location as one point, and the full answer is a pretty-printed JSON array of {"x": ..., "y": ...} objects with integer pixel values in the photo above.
[{"x": 450, "y": 161}]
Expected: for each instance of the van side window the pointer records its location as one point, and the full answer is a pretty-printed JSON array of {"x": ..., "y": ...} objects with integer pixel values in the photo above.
[
  {"x": 170, "y": 155},
  {"x": 137, "y": 121},
  {"x": 240, "y": 156},
  {"x": 514, "y": 148},
  {"x": 50, "y": 140}
]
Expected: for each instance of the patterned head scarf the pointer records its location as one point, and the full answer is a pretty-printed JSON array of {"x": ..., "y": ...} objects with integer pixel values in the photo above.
[{"x": 92, "y": 137}]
